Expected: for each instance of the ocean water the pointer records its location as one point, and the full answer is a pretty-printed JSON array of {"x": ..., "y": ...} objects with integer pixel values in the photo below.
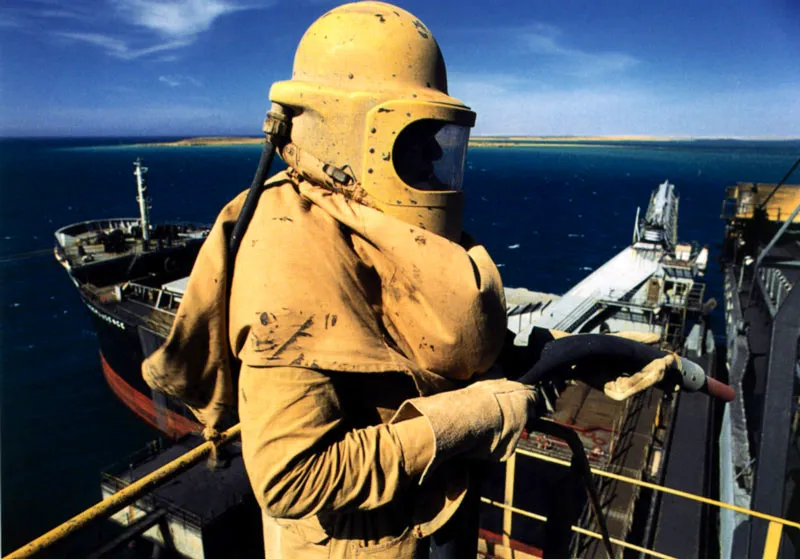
[{"x": 548, "y": 215}]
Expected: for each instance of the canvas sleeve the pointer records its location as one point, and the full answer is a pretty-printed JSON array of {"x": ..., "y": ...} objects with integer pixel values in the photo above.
[
  {"x": 193, "y": 363},
  {"x": 301, "y": 457}
]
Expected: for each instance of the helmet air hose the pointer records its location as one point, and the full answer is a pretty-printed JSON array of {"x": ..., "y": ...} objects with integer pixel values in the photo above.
[{"x": 276, "y": 129}]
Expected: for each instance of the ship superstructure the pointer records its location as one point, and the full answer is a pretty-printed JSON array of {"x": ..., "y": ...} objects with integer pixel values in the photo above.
[{"x": 759, "y": 453}]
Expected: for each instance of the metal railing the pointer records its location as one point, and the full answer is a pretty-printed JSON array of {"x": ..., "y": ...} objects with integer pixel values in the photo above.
[
  {"x": 139, "y": 488},
  {"x": 159, "y": 298},
  {"x": 126, "y": 496},
  {"x": 736, "y": 209},
  {"x": 577, "y": 315},
  {"x": 771, "y": 544}
]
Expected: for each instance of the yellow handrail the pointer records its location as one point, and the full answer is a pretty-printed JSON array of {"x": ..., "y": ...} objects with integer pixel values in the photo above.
[
  {"x": 773, "y": 543},
  {"x": 578, "y": 530},
  {"x": 129, "y": 494},
  {"x": 665, "y": 489},
  {"x": 123, "y": 497}
]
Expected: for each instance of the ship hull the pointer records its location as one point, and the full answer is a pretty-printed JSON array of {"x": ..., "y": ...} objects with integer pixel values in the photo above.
[{"x": 122, "y": 349}]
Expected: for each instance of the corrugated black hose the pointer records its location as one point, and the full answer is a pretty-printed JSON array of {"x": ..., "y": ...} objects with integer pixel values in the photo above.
[{"x": 250, "y": 203}]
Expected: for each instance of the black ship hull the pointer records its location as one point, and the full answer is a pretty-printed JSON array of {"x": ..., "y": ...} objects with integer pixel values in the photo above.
[{"x": 123, "y": 347}]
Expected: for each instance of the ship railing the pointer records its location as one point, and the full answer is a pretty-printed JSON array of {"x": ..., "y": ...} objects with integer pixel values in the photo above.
[
  {"x": 692, "y": 300},
  {"x": 152, "y": 502},
  {"x": 579, "y": 314},
  {"x": 731, "y": 209},
  {"x": 735, "y": 209},
  {"x": 616, "y": 298},
  {"x": 138, "y": 489},
  {"x": 160, "y": 299},
  {"x": 588, "y": 306},
  {"x": 772, "y": 542},
  {"x": 775, "y": 287},
  {"x": 114, "y": 478},
  {"x": 126, "y": 496},
  {"x": 70, "y": 232}
]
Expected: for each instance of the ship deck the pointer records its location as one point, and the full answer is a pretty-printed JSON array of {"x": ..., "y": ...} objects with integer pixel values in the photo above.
[{"x": 211, "y": 511}]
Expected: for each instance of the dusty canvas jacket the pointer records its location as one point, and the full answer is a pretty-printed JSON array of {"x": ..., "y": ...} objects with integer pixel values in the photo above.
[
  {"x": 326, "y": 283},
  {"x": 325, "y": 291}
]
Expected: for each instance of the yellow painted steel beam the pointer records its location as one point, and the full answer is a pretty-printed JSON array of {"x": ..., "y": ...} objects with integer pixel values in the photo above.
[
  {"x": 773, "y": 543},
  {"x": 665, "y": 489},
  {"x": 126, "y": 496},
  {"x": 579, "y": 530},
  {"x": 509, "y": 499}
]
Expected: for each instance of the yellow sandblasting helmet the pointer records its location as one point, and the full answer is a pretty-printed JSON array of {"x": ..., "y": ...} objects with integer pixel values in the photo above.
[{"x": 369, "y": 98}]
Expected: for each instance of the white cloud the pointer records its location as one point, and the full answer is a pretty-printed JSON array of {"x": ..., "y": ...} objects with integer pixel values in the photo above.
[
  {"x": 181, "y": 18},
  {"x": 42, "y": 13},
  {"x": 179, "y": 80},
  {"x": 120, "y": 48},
  {"x": 170, "y": 81},
  {"x": 546, "y": 41},
  {"x": 112, "y": 45},
  {"x": 519, "y": 107},
  {"x": 139, "y": 28}
]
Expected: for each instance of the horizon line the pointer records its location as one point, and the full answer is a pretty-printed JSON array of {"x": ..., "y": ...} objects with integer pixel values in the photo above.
[{"x": 562, "y": 137}]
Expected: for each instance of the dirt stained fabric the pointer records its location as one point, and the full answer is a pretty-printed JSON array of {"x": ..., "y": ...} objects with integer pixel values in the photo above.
[{"x": 333, "y": 288}]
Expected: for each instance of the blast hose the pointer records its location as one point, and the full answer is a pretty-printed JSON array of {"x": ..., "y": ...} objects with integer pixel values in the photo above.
[
  {"x": 583, "y": 355},
  {"x": 588, "y": 354}
]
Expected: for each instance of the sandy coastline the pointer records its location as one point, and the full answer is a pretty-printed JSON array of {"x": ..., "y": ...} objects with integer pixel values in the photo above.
[
  {"x": 208, "y": 141},
  {"x": 476, "y": 141}
]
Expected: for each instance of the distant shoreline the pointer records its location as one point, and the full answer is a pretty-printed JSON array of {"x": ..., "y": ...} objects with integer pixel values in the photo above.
[
  {"x": 207, "y": 141},
  {"x": 476, "y": 141}
]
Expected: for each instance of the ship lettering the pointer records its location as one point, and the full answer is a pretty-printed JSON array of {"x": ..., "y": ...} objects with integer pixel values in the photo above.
[{"x": 116, "y": 322}]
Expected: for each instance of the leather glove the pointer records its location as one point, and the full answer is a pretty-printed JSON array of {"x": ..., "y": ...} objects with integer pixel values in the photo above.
[{"x": 483, "y": 420}]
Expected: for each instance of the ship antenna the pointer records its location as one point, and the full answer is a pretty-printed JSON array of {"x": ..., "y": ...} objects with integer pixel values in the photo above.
[{"x": 144, "y": 202}]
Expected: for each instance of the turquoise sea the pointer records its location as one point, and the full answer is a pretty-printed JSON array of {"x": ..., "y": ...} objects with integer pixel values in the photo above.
[{"x": 548, "y": 215}]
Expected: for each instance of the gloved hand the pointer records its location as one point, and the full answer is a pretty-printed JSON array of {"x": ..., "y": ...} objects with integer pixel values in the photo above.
[{"x": 483, "y": 420}]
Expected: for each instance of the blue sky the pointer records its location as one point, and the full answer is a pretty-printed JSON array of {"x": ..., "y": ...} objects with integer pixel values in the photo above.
[{"x": 712, "y": 68}]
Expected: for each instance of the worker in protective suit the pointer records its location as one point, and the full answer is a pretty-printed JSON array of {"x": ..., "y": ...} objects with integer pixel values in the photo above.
[{"x": 364, "y": 319}]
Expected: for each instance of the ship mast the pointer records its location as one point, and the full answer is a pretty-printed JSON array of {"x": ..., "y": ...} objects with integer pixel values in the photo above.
[{"x": 144, "y": 202}]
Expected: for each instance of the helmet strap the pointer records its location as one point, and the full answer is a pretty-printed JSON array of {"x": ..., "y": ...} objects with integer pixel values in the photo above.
[{"x": 341, "y": 180}]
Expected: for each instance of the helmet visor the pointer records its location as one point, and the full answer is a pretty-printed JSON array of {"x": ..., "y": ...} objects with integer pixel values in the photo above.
[{"x": 430, "y": 154}]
